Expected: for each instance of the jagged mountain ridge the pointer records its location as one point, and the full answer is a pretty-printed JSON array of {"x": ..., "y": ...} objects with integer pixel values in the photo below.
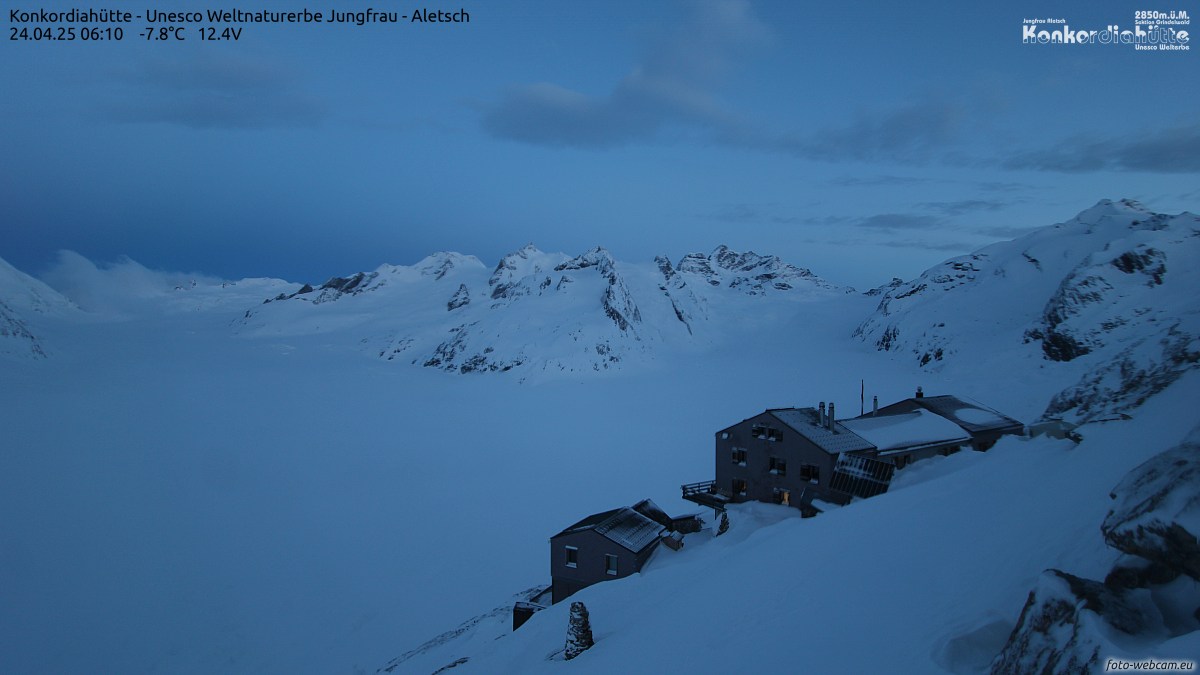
[
  {"x": 1101, "y": 299},
  {"x": 546, "y": 311},
  {"x": 1109, "y": 291}
]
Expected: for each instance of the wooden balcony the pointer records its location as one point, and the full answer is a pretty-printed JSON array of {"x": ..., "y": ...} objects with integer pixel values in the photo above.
[{"x": 705, "y": 493}]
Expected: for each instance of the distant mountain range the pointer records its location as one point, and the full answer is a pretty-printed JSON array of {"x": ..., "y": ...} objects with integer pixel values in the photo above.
[{"x": 1111, "y": 291}]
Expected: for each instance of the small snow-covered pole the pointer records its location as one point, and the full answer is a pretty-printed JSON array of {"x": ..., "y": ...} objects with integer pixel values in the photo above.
[{"x": 579, "y": 631}]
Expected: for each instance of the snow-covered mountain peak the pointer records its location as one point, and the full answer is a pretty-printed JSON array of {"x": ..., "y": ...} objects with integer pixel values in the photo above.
[
  {"x": 518, "y": 266},
  {"x": 598, "y": 257},
  {"x": 23, "y": 293},
  {"x": 1114, "y": 284},
  {"x": 750, "y": 272},
  {"x": 442, "y": 263}
]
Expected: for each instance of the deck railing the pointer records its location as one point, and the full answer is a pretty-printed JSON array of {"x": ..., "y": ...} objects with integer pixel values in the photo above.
[{"x": 707, "y": 487}]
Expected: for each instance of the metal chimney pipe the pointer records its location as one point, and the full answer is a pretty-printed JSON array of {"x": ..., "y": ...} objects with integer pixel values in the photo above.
[
  {"x": 831, "y": 417},
  {"x": 920, "y": 393},
  {"x": 874, "y": 406},
  {"x": 821, "y": 414}
]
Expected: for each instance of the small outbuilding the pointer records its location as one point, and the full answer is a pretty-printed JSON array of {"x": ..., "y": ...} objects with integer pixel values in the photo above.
[{"x": 605, "y": 546}]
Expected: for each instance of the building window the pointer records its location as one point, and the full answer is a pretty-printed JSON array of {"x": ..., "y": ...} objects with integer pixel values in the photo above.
[
  {"x": 782, "y": 497},
  {"x": 778, "y": 466},
  {"x": 766, "y": 433},
  {"x": 724, "y": 435},
  {"x": 739, "y": 456},
  {"x": 739, "y": 486},
  {"x": 572, "y": 556},
  {"x": 810, "y": 472},
  {"x": 610, "y": 564}
]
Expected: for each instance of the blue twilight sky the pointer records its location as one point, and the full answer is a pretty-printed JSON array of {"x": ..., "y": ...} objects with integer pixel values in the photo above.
[{"x": 860, "y": 139}]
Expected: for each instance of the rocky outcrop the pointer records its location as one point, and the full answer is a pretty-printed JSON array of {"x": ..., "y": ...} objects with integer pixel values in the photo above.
[
  {"x": 751, "y": 273},
  {"x": 890, "y": 286},
  {"x": 1068, "y": 623},
  {"x": 333, "y": 289},
  {"x": 1117, "y": 386},
  {"x": 1156, "y": 515},
  {"x": 901, "y": 322},
  {"x": 506, "y": 279},
  {"x": 617, "y": 302},
  {"x": 455, "y": 354},
  {"x": 461, "y": 298},
  {"x": 1062, "y": 629},
  {"x": 15, "y": 336},
  {"x": 687, "y": 307}
]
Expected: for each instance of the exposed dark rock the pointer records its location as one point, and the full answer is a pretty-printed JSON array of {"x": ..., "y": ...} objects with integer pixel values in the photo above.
[
  {"x": 896, "y": 282},
  {"x": 461, "y": 298},
  {"x": 1075, "y": 293},
  {"x": 504, "y": 285},
  {"x": 683, "y": 302},
  {"x": 1138, "y": 372},
  {"x": 1146, "y": 260},
  {"x": 1059, "y": 631},
  {"x": 14, "y": 331},
  {"x": 617, "y": 302},
  {"x": 579, "y": 631},
  {"x": 753, "y": 273},
  {"x": 1157, "y": 511},
  {"x": 1134, "y": 572}
]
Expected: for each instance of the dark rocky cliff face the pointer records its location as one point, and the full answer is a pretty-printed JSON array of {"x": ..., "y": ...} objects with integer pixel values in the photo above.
[{"x": 1070, "y": 624}]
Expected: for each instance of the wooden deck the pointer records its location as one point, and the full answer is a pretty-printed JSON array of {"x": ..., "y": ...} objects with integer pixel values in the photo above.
[{"x": 705, "y": 493}]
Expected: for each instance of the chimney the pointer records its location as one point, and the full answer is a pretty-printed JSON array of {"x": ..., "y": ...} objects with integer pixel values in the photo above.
[
  {"x": 920, "y": 394},
  {"x": 821, "y": 414},
  {"x": 830, "y": 418},
  {"x": 874, "y": 406}
]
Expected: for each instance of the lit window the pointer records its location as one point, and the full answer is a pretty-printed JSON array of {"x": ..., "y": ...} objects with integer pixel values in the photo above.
[
  {"x": 610, "y": 564},
  {"x": 572, "y": 556},
  {"x": 778, "y": 466}
]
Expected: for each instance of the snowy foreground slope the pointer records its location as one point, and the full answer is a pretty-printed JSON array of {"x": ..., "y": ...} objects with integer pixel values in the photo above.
[
  {"x": 928, "y": 578},
  {"x": 195, "y": 480}
]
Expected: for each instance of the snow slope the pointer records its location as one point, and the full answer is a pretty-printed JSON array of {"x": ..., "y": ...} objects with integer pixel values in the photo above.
[
  {"x": 928, "y": 578},
  {"x": 25, "y": 300}
]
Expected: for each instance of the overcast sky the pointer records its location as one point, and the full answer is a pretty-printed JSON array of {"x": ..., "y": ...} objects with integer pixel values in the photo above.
[{"x": 860, "y": 139}]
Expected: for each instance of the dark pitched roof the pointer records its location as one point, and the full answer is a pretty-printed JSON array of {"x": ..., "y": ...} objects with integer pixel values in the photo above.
[
  {"x": 652, "y": 511},
  {"x": 624, "y": 527},
  {"x": 970, "y": 415},
  {"x": 804, "y": 421}
]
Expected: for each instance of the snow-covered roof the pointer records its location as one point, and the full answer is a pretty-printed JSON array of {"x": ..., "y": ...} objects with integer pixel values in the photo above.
[
  {"x": 968, "y": 414},
  {"x": 907, "y": 430},
  {"x": 622, "y": 526},
  {"x": 804, "y": 421}
]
